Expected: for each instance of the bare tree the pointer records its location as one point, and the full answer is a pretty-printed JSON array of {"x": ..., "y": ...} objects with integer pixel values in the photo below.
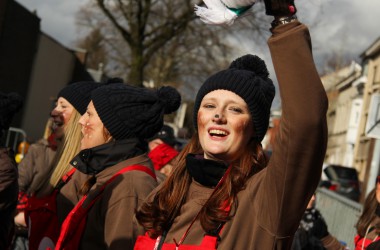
[
  {"x": 158, "y": 40},
  {"x": 144, "y": 25},
  {"x": 96, "y": 52}
]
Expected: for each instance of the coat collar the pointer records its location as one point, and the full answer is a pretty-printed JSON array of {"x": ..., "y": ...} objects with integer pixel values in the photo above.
[
  {"x": 206, "y": 172},
  {"x": 96, "y": 159}
]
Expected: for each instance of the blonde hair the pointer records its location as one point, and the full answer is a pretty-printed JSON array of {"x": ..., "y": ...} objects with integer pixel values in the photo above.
[
  {"x": 69, "y": 148},
  {"x": 48, "y": 129}
]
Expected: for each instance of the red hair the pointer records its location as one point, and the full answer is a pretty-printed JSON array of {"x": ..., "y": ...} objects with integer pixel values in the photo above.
[{"x": 158, "y": 214}]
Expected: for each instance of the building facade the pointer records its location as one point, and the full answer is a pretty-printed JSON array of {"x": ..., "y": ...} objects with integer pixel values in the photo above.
[
  {"x": 34, "y": 65},
  {"x": 366, "y": 156},
  {"x": 343, "y": 114}
]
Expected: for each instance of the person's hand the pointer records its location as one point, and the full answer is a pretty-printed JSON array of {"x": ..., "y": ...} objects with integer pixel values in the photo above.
[{"x": 280, "y": 8}]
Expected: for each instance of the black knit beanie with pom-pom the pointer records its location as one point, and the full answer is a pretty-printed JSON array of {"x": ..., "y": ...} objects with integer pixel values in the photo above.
[
  {"x": 79, "y": 94},
  {"x": 129, "y": 112},
  {"x": 247, "y": 77}
]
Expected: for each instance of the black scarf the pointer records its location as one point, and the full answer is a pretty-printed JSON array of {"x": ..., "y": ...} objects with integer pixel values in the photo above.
[
  {"x": 206, "y": 172},
  {"x": 96, "y": 159}
]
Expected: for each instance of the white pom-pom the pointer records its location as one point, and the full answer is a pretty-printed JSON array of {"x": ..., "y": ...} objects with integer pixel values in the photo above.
[
  {"x": 236, "y": 4},
  {"x": 218, "y": 13}
]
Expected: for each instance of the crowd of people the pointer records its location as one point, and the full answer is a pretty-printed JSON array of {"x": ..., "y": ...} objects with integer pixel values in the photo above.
[{"x": 110, "y": 175}]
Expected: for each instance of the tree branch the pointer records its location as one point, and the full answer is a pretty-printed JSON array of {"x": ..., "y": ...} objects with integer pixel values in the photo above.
[
  {"x": 124, "y": 32},
  {"x": 164, "y": 33}
]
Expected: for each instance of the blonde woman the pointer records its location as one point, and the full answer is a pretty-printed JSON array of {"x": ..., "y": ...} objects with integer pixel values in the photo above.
[{"x": 41, "y": 181}]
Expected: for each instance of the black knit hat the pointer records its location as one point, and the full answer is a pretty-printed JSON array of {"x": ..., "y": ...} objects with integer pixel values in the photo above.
[
  {"x": 247, "y": 77},
  {"x": 166, "y": 134},
  {"x": 128, "y": 111},
  {"x": 10, "y": 104},
  {"x": 79, "y": 94}
]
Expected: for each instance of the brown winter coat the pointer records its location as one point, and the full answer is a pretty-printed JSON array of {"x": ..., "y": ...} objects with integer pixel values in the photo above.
[
  {"x": 8, "y": 196},
  {"x": 36, "y": 168},
  {"x": 270, "y": 208},
  {"x": 109, "y": 222}
]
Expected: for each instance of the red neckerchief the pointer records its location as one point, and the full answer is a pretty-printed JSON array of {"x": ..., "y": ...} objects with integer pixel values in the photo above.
[
  {"x": 162, "y": 155},
  {"x": 52, "y": 141}
]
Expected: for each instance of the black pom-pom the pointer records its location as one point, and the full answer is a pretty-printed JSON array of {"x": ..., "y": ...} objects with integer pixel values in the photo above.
[
  {"x": 170, "y": 97},
  {"x": 251, "y": 63},
  {"x": 114, "y": 80}
]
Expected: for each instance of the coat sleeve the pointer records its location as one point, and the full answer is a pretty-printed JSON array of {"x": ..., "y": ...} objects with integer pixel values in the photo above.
[
  {"x": 295, "y": 166},
  {"x": 331, "y": 243}
]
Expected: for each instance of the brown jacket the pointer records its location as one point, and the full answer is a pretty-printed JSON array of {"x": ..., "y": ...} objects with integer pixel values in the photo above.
[
  {"x": 8, "y": 196},
  {"x": 36, "y": 168},
  {"x": 270, "y": 208},
  {"x": 109, "y": 222}
]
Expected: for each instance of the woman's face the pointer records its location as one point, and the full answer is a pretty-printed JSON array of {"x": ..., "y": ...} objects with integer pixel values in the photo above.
[
  {"x": 224, "y": 125},
  {"x": 65, "y": 109},
  {"x": 92, "y": 128},
  {"x": 61, "y": 115}
]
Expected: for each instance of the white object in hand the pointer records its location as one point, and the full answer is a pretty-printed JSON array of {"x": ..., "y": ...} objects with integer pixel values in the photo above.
[{"x": 223, "y": 12}]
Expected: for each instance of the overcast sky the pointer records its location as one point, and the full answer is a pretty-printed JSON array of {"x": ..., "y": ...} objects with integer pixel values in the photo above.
[{"x": 335, "y": 25}]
